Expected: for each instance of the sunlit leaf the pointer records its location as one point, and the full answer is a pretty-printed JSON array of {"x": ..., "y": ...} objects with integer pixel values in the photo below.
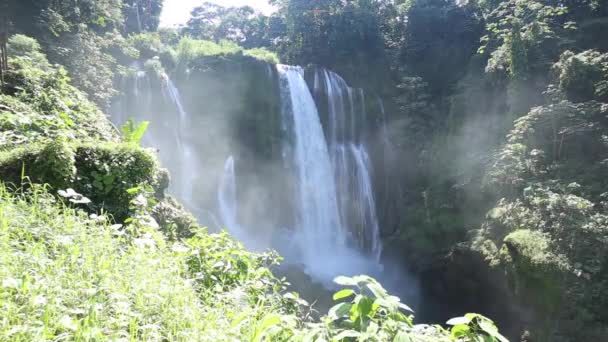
[
  {"x": 340, "y": 310},
  {"x": 345, "y": 281},
  {"x": 458, "y": 321},
  {"x": 343, "y": 294}
]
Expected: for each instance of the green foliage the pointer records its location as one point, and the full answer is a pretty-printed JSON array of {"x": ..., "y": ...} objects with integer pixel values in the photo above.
[
  {"x": 475, "y": 327},
  {"x": 53, "y": 164},
  {"x": 346, "y": 36},
  {"x": 133, "y": 133},
  {"x": 67, "y": 275},
  {"x": 240, "y": 25},
  {"x": 439, "y": 38},
  {"x": 107, "y": 171},
  {"x": 83, "y": 50},
  {"x": 191, "y": 50},
  {"x": 365, "y": 314},
  {"x": 516, "y": 33},
  {"x": 45, "y": 106},
  {"x": 263, "y": 55},
  {"x": 583, "y": 76},
  {"x": 141, "y": 15},
  {"x": 148, "y": 44},
  {"x": 174, "y": 219},
  {"x": 101, "y": 172},
  {"x": 24, "y": 46},
  {"x": 548, "y": 232},
  {"x": 374, "y": 315}
]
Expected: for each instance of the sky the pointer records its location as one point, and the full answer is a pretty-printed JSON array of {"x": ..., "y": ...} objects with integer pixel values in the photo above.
[{"x": 176, "y": 12}]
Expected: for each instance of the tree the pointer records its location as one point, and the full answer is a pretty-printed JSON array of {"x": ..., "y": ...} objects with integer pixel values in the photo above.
[
  {"x": 142, "y": 15},
  {"x": 241, "y": 25}
]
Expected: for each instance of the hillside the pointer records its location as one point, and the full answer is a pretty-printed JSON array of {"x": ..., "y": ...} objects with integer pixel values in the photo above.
[{"x": 455, "y": 151}]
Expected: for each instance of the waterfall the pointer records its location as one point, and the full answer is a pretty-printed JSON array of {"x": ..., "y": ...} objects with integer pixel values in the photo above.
[
  {"x": 186, "y": 153},
  {"x": 227, "y": 198},
  {"x": 366, "y": 205},
  {"x": 346, "y": 115},
  {"x": 173, "y": 93},
  {"x": 139, "y": 26},
  {"x": 321, "y": 235},
  {"x": 318, "y": 207},
  {"x": 327, "y": 221}
]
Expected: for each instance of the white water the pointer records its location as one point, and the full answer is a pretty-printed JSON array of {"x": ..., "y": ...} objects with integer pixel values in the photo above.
[
  {"x": 366, "y": 205},
  {"x": 322, "y": 239},
  {"x": 336, "y": 228},
  {"x": 227, "y": 199},
  {"x": 186, "y": 153},
  {"x": 350, "y": 160}
]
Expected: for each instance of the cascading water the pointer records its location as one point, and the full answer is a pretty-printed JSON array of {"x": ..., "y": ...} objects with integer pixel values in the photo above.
[
  {"x": 318, "y": 208},
  {"x": 366, "y": 205},
  {"x": 186, "y": 153},
  {"x": 227, "y": 199},
  {"x": 328, "y": 208},
  {"x": 323, "y": 240},
  {"x": 346, "y": 117}
]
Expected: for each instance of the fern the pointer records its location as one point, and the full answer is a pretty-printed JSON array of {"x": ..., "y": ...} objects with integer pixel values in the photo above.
[{"x": 133, "y": 133}]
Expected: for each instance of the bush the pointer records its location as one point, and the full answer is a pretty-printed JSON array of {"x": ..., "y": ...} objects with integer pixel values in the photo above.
[
  {"x": 47, "y": 107},
  {"x": 584, "y": 76},
  {"x": 53, "y": 164},
  {"x": 148, "y": 44},
  {"x": 190, "y": 50},
  {"x": 65, "y": 275},
  {"x": 548, "y": 231},
  {"x": 105, "y": 172},
  {"x": 173, "y": 218},
  {"x": 21, "y": 45},
  {"x": 101, "y": 172}
]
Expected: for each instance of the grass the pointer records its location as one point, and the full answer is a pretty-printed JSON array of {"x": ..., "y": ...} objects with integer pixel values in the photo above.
[
  {"x": 65, "y": 275},
  {"x": 190, "y": 49}
]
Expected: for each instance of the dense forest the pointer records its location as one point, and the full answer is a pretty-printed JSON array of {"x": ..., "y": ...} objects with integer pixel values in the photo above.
[{"x": 486, "y": 122}]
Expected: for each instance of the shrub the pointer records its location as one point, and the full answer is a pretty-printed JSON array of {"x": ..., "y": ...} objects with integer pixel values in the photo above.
[
  {"x": 174, "y": 219},
  {"x": 101, "y": 172},
  {"x": 21, "y": 45},
  {"x": 47, "y": 107},
  {"x": 107, "y": 171},
  {"x": 65, "y": 275},
  {"x": 583, "y": 76},
  {"x": 148, "y": 44},
  {"x": 190, "y": 50},
  {"x": 53, "y": 164}
]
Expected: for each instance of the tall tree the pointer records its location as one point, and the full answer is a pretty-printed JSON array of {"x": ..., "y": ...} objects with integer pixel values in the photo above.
[
  {"x": 142, "y": 15},
  {"x": 242, "y": 25}
]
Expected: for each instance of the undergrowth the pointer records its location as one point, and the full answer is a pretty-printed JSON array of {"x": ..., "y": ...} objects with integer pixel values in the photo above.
[{"x": 68, "y": 275}]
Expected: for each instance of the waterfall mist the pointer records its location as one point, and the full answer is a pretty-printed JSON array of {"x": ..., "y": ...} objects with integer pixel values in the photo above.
[{"x": 277, "y": 161}]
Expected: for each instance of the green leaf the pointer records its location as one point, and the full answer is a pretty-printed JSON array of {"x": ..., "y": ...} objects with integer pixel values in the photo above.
[
  {"x": 377, "y": 290},
  {"x": 458, "y": 321},
  {"x": 339, "y": 311},
  {"x": 134, "y": 133},
  {"x": 267, "y": 322},
  {"x": 405, "y": 307},
  {"x": 491, "y": 330},
  {"x": 140, "y": 131},
  {"x": 345, "y": 281},
  {"x": 402, "y": 337},
  {"x": 343, "y": 294},
  {"x": 460, "y": 330},
  {"x": 472, "y": 316},
  {"x": 365, "y": 306}
]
